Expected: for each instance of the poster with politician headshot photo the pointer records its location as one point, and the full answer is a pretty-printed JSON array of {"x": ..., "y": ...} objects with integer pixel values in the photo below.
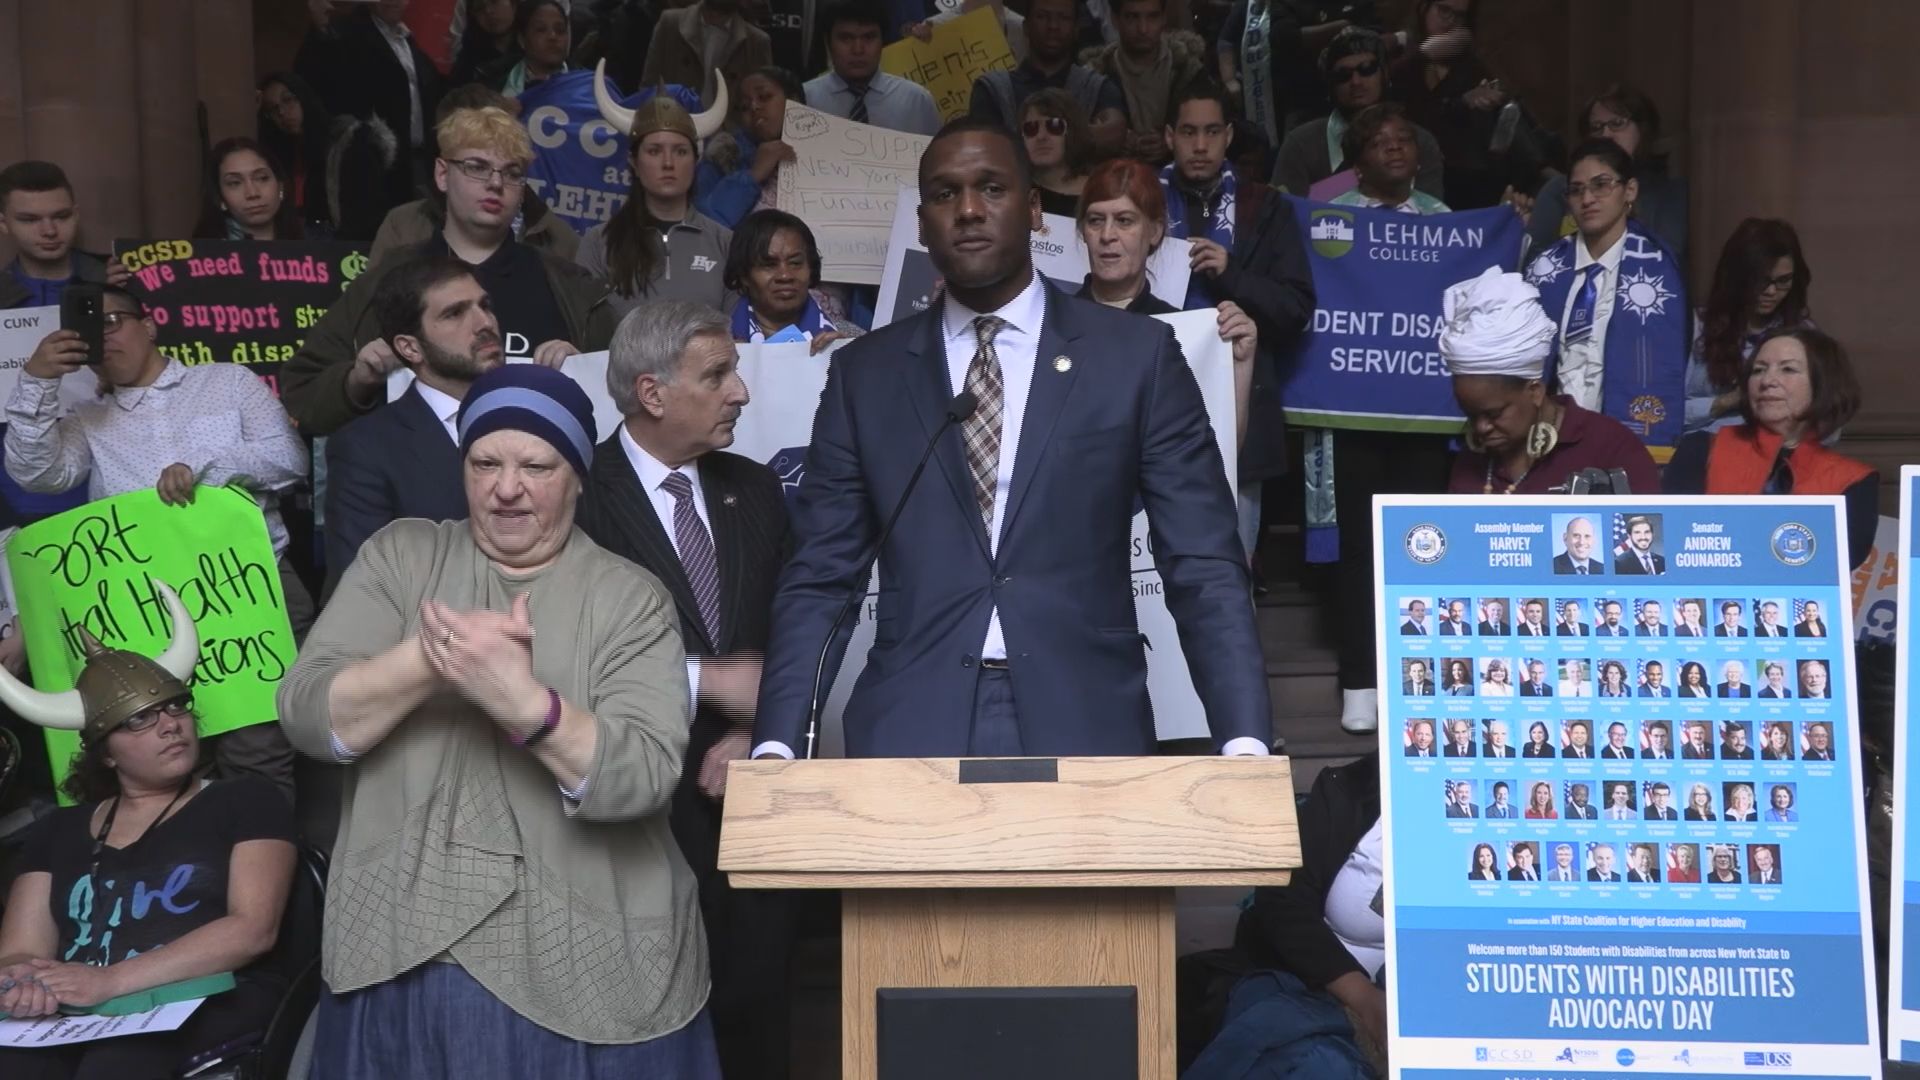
[{"x": 1703, "y": 876}]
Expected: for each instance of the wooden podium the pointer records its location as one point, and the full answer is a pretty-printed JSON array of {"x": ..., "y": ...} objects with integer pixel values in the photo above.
[{"x": 964, "y": 875}]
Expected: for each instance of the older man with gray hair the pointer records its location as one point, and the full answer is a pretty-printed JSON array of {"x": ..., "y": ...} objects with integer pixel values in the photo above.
[{"x": 712, "y": 526}]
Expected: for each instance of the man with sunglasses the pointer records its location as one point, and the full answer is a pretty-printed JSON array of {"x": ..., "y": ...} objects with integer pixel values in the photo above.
[
  {"x": 1355, "y": 67},
  {"x": 163, "y": 425},
  {"x": 548, "y": 308}
]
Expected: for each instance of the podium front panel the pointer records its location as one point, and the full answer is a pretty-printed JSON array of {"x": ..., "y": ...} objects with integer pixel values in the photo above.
[{"x": 1009, "y": 1033}]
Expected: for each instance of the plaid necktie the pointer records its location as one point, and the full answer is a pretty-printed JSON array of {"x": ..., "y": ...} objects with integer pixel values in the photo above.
[
  {"x": 858, "y": 114},
  {"x": 696, "y": 553},
  {"x": 982, "y": 430}
]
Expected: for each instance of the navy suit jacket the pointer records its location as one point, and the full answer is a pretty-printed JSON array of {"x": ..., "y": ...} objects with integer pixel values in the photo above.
[
  {"x": 1122, "y": 426},
  {"x": 395, "y": 462}
]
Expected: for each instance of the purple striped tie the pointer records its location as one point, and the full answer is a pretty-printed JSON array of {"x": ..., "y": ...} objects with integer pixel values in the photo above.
[{"x": 696, "y": 552}]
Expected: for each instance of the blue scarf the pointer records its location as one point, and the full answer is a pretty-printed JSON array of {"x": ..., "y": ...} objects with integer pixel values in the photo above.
[
  {"x": 1644, "y": 383},
  {"x": 1219, "y": 219},
  {"x": 811, "y": 322}
]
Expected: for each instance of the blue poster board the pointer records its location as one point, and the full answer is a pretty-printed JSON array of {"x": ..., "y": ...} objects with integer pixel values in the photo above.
[
  {"x": 1624, "y": 835},
  {"x": 1903, "y": 1007}
]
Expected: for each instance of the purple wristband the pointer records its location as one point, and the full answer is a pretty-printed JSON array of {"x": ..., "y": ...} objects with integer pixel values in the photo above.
[{"x": 546, "y": 727}]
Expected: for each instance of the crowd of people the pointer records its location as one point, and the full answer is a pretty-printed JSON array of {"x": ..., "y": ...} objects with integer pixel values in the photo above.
[{"x": 524, "y": 833}]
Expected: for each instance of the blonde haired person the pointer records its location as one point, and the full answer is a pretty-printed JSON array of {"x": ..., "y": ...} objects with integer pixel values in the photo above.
[{"x": 547, "y": 307}]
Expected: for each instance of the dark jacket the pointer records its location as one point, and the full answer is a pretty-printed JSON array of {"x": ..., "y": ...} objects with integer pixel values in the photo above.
[
  {"x": 86, "y": 267},
  {"x": 356, "y": 74},
  {"x": 415, "y": 223},
  {"x": 1267, "y": 275},
  {"x": 1304, "y": 160},
  {"x": 674, "y": 54},
  {"x": 392, "y": 463},
  {"x": 1286, "y": 928},
  {"x": 313, "y": 385}
]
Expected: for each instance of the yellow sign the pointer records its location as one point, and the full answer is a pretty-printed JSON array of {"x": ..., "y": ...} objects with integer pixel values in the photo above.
[{"x": 959, "y": 52}]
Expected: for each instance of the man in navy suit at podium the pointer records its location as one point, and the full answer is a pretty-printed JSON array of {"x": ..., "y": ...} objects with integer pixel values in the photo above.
[{"x": 1006, "y": 623}]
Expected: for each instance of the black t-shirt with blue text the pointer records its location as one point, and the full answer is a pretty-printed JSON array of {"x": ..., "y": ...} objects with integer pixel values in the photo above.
[{"x": 164, "y": 885}]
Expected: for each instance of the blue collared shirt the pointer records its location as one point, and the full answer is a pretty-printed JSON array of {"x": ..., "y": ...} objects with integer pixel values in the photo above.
[{"x": 892, "y": 102}]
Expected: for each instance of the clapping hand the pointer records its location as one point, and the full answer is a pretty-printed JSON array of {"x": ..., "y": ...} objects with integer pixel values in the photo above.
[{"x": 486, "y": 656}]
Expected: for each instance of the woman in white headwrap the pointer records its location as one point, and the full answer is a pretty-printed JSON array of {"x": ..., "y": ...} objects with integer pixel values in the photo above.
[{"x": 1519, "y": 439}]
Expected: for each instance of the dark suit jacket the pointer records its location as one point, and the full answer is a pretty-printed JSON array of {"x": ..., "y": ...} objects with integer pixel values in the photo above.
[
  {"x": 1488, "y": 751},
  {"x": 1652, "y": 813},
  {"x": 748, "y": 514},
  {"x": 1628, "y": 563},
  {"x": 1640, "y": 630},
  {"x": 1763, "y": 630},
  {"x": 1407, "y": 627},
  {"x": 1448, "y": 629},
  {"x": 1517, "y": 874},
  {"x": 1721, "y": 631},
  {"x": 1770, "y": 692},
  {"x": 1817, "y": 755},
  {"x": 1450, "y": 750},
  {"x": 1816, "y": 628},
  {"x": 1455, "y": 810},
  {"x": 1528, "y": 689},
  {"x": 1425, "y": 689},
  {"x": 1493, "y": 629},
  {"x": 355, "y": 72},
  {"x": 1595, "y": 875},
  {"x": 1574, "y": 630},
  {"x": 1637, "y": 876},
  {"x": 1623, "y": 754},
  {"x": 1526, "y": 630},
  {"x": 1577, "y": 814},
  {"x": 1123, "y": 427},
  {"x": 1563, "y": 564},
  {"x": 1603, "y": 630},
  {"x": 1729, "y": 690},
  {"x": 392, "y": 463}
]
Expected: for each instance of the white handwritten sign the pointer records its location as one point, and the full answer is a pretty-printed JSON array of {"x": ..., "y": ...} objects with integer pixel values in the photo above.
[{"x": 844, "y": 183}]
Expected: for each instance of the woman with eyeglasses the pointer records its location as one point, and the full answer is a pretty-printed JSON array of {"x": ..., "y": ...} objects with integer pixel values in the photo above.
[
  {"x": 1797, "y": 390},
  {"x": 1059, "y": 146},
  {"x": 294, "y": 127},
  {"x": 153, "y": 878},
  {"x": 1618, "y": 298},
  {"x": 1759, "y": 285},
  {"x": 1628, "y": 118}
]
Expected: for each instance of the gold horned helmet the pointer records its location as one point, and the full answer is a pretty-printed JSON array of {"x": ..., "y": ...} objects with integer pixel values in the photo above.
[
  {"x": 661, "y": 112},
  {"x": 114, "y": 685}
]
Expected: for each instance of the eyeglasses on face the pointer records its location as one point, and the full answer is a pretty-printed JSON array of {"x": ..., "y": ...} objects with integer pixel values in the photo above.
[
  {"x": 480, "y": 171},
  {"x": 146, "y": 718},
  {"x": 1054, "y": 125},
  {"x": 1778, "y": 284},
  {"x": 1366, "y": 69},
  {"x": 114, "y": 320},
  {"x": 1602, "y": 128},
  {"x": 1599, "y": 186},
  {"x": 1454, "y": 15}
]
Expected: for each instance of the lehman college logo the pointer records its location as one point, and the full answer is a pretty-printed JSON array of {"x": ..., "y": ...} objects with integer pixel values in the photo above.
[
  {"x": 1793, "y": 544},
  {"x": 1426, "y": 544},
  {"x": 1331, "y": 232},
  {"x": 789, "y": 465}
]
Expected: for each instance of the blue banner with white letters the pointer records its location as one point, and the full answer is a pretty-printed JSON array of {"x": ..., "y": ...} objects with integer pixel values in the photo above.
[
  {"x": 1622, "y": 789},
  {"x": 1370, "y": 357},
  {"x": 579, "y": 160}
]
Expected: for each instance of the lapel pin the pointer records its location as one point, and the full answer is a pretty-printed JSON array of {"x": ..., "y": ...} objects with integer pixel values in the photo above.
[
  {"x": 728, "y": 500},
  {"x": 1062, "y": 364}
]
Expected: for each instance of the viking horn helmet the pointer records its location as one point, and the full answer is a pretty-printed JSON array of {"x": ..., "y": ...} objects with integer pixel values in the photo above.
[
  {"x": 114, "y": 684},
  {"x": 661, "y": 112}
]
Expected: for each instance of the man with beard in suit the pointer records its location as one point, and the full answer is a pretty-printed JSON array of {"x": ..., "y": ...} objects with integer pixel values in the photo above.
[
  {"x": 1638, "y": 557},
  {"x": 712, "y": 526},
  {"x": 1610, "y": 624}
]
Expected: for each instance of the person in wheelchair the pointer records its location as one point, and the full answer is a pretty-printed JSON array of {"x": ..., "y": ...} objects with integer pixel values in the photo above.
[{"x": 154, "y": 878}]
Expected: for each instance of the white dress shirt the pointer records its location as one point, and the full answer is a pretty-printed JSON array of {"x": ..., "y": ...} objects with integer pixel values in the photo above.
[
  {"x": 892, "y": 102},
  {"x": 219, "y": 420},
  {"x": 1017, "y": 346},
  {"x": 398, "y": 39},
  {"x": 445, "y": 408},
  {"x": 653, "y": 478},
  {"x": 1583, "y": 364}
]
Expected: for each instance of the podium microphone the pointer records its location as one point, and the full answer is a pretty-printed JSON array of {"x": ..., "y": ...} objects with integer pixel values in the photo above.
[{"x": 958, "y": 411}]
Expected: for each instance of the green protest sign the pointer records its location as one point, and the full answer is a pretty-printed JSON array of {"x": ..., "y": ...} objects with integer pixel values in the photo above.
[{"x": 95, "y": 567}]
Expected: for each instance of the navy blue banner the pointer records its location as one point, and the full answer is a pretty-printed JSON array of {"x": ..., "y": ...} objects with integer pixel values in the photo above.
[
  {"x": 579, "y": 160},
  {"x": 1369, "y": 359},
  {"x": 1622, "y": 787}
]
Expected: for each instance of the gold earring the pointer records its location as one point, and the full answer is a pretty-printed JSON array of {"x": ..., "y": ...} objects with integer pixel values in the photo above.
[{"x": 1542, "y": 437}]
